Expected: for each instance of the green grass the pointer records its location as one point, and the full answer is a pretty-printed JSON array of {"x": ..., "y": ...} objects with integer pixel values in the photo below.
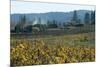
[{"x": 73, "y": 39}]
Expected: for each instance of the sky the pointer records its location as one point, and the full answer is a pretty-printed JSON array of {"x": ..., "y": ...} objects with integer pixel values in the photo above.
[{"x": 40, "y": 7}]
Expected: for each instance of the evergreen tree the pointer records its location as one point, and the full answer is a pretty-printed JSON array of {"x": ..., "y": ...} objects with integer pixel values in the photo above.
[
  {"x": 20, "y": 26},
  {"x": 52, "y": 24},
  {"x": 39, "y": 21},
  {"x": 75, "y": 17},
  {"x": 48, "y": 22},
  {"x": 93, "y": 17},
  {"x": 87, "y": 18},
  {"x": 23, "y": 21},
  {"x": 40, "y": 25},
  {"x": 17, "y": 28}
]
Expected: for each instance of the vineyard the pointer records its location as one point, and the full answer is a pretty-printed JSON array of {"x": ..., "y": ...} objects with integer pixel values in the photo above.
[{"x": 53, "y": 50}]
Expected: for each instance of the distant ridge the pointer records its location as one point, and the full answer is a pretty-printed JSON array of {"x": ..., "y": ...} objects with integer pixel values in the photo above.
[{"x": 60, "y": 17}]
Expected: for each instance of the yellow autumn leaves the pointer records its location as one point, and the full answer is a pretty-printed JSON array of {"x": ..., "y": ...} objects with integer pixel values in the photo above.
[{"x": 37, "y": 52}]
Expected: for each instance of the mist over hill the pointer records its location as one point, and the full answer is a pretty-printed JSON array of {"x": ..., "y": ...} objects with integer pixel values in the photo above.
[{"x": 58, "y": 16}]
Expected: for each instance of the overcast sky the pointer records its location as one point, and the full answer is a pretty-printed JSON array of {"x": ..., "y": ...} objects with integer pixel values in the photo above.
[{"x": 37, "y": 7}]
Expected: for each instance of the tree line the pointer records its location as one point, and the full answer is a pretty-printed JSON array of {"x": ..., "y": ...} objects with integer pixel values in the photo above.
[{"x": 89, "y": 18}]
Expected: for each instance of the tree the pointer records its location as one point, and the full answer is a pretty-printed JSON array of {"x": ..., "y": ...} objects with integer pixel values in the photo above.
[
  {"x": 22, "y": 22},
  {"x": 55, "y": 24},
  {"x": 17, "y": 28},
  {"x": 52, "y": 24},
  {"x": 20, "y": 26},
  {"x": 93, "y": 17},
  {"x": 79, "y": 21},
  {"x": 39, "y": 21},
  {"x": 87, "y": 18},
  {"x": 40, "y": 25},
  {"x": 75, "y": 17},
  {"x": 48, "y": 22}
]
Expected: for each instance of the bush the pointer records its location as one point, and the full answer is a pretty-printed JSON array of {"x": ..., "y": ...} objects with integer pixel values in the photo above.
[{"x": 37, "y": 52}]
